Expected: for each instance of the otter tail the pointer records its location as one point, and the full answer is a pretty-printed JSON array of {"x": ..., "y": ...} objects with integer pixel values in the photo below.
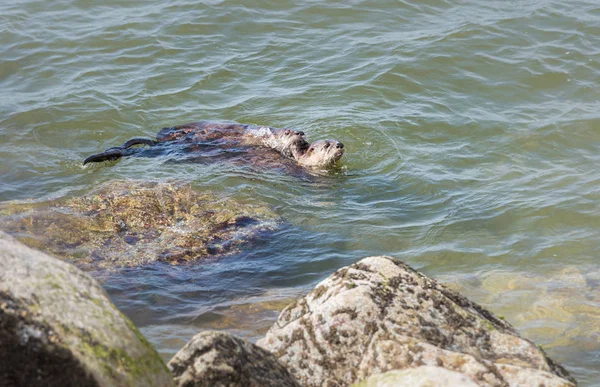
[
  {"x": 119, "y": 151},
  {"x": 138, "y": 141},
  {"x": 109, "y": 154}
]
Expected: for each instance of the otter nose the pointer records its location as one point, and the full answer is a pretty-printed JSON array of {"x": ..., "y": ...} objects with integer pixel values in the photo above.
[
  {"x": 300, "y": 133},
  {"x": 339, "y": 145}
]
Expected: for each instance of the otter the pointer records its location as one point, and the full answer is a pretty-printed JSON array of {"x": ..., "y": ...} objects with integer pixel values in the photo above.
[
  {"x": 321, "y": 154},
  {"x": 285, "y": 141},
  {"x": 234, "y": 141}
]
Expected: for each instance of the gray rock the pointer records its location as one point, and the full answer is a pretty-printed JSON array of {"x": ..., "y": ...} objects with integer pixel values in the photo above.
[
  {"x": 379, "y": 315},
  {"x": 219, "y": 359},
  {"x": 424, "y": 376},
  {"x": 59, "y": 328}
]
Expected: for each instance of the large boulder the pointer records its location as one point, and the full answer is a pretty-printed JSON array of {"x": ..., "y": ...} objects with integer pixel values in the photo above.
[
  {"x": 130, "y": 223},
  {"x": 59, "y": 328},
  {"x": 379, "y": 315},
  {"x": 424, "y": 376},
  {"x": 434, "y": 376},
  {"x": 219, "y": 359}
]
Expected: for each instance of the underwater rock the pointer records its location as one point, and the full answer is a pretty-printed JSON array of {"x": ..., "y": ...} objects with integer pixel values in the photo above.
[
  {"x": 59, "y": 328},
  {"x": 556, "y": 306},
  {"x": 219, "y": 359},
  {"x": 131, "y": 223},
  {"x": 379, "y": 315}
]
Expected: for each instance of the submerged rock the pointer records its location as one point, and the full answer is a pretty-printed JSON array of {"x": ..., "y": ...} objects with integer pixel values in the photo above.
[
  {"x": 59, "y": 328},
  {"x": 130, "y": 223},
  {"x": 219, "y": 359},
  {"x": 558, "y": 308},
  {"x": 379, "y": 315}
]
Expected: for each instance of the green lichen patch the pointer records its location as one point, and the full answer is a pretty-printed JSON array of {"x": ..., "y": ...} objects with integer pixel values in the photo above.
[
  {"x": 32, "y": 352},
  {"x": 59, "y": 328}
]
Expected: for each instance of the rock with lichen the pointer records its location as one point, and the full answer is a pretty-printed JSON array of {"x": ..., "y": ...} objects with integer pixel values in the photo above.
[
  {"x": 219, "y": 359},
  {"x": 423, "y": 376},
  {"x": 379, "y": 315},
  {"x": 59, "y": 328},
  {"x": 131, "y": 223}
]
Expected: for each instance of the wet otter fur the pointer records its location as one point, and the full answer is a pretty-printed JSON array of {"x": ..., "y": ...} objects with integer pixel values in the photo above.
[
  {"x": 200, "y": 140},
  {"x": 321, "y": 154},
  {"x": 285, "y": 141}
]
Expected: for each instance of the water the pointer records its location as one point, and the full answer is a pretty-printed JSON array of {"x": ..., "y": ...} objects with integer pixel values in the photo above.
[{"x": 472, "y": 131}]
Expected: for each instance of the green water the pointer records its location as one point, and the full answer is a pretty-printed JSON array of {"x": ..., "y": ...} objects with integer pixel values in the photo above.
[{"x": 472, "y": 131}]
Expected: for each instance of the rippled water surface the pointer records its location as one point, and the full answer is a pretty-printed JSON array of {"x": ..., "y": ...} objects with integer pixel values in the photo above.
[{"x": 472, "y": 131}]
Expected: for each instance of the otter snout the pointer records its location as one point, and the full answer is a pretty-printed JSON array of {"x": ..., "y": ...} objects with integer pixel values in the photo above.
[{"x": 339, "y": 145}]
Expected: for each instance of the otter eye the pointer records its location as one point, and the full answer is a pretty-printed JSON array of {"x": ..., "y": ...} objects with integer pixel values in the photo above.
[{"x": 327, "y": 145}]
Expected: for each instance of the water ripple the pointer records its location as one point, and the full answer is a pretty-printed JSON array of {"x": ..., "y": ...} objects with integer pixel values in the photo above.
[{"x": 471, "y": 131}]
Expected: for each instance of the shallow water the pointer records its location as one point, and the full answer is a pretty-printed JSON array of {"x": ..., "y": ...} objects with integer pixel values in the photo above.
[{"x": 472, "y": 131}]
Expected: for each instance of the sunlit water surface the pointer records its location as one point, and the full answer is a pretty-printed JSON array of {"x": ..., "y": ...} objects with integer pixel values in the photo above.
[{"x": 472, "y": 131}]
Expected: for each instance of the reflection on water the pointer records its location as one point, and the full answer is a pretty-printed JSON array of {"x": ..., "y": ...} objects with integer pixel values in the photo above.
[{"x": 471, "y": 130}]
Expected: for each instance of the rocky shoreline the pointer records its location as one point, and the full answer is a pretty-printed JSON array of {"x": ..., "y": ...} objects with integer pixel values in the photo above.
[{"x": 377, "y": 322}]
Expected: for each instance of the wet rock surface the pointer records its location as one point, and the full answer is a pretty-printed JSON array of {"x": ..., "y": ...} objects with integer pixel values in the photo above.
[
  {"x": 219, "y": 359},
  {"x": 131, "y": 223},
  {"x": 59, "y": 328},
  {"x": 379, "y": 315}
]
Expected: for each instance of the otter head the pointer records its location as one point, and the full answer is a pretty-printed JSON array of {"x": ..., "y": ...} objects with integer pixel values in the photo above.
[
  {"x": 289, "y": 142},
  {"x": 321, "y": 154}
]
